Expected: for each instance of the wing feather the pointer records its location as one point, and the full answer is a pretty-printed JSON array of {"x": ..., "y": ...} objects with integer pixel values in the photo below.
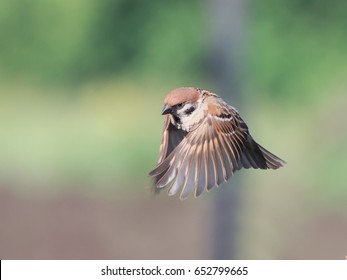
[
  {"x": 172, "y": 136},
  {"x": 180, "y": 167},
  {"x": 227, "y": 155},
  {"x": 201, "y": 181},
  {"x": 199, "y": 168},
  {"x": 224, "y": 158},
  {"x": 189, "y": 184},
  {"x": 219, "y": 160},
  {"x": 213, "y": 173}
]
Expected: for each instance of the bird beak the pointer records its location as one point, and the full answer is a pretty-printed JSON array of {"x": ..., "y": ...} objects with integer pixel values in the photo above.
[{"x": 166, "y": 110}]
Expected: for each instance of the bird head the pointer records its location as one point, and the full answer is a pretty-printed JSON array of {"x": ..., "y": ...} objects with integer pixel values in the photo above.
[{"x": 181, "y": 103}]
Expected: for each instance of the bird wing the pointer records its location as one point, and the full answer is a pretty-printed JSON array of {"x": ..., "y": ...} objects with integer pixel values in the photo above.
[
  {"x": 172, "y": 136},
  {"x": 210, "y": 154}
]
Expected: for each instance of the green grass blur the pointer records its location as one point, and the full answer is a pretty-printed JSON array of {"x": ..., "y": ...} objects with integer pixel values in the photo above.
[{"x": 82, "y": 85}]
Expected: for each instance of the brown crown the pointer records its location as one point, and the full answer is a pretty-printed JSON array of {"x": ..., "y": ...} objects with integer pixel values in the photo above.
[{"x": 181, "y": 95}]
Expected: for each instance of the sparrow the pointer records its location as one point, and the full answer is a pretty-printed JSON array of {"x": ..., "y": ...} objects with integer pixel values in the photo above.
[{"x": 204, "y": 142}]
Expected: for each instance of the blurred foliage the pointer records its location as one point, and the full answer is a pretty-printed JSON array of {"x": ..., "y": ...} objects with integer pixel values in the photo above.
[
  {"x": 89, "y": 140},
  {"x": 71, "y": 41},
  {"x": 296, "y": 47}
]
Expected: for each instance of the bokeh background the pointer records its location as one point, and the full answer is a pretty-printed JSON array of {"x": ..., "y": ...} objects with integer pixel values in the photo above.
[{"x": 81, "y": 91}]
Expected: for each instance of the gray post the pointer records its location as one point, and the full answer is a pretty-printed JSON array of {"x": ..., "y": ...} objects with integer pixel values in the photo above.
[{"x": 227, "y": 22}]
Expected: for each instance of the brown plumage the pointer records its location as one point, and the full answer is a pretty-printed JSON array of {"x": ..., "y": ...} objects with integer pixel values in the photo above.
[
  {"x": 180, "y": 95},
  {"x": 204, "y": 142}
]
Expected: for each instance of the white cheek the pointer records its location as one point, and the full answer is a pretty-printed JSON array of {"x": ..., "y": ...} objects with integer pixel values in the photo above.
[
  {"x": 189, "y": 121},
  {"x": 196, "y": 116},
  {"x": 181, "y": 111}
]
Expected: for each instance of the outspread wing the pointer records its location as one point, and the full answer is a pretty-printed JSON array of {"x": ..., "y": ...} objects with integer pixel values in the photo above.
[
  {"x": 171, "y": 138},
  {"x": 210, "y": 154}
]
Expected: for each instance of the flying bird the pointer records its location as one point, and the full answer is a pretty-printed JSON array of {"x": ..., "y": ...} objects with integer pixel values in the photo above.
[{"x": 204, "y": 142}]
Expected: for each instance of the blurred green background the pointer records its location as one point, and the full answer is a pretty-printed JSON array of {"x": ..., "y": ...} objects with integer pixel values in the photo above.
[{"x": 82, "y": 85}]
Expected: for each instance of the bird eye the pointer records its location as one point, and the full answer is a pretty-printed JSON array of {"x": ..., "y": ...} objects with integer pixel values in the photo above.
[{"x": 179, "y": 105}]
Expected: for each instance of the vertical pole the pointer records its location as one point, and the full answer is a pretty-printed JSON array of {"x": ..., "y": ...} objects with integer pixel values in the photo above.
[{"x": 227, "y": 23}]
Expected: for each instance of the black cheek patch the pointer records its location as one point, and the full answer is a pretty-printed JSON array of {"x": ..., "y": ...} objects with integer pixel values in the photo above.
[
  {"x": 189, "y": 110},
  {"x": 176, "y": 118}
]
